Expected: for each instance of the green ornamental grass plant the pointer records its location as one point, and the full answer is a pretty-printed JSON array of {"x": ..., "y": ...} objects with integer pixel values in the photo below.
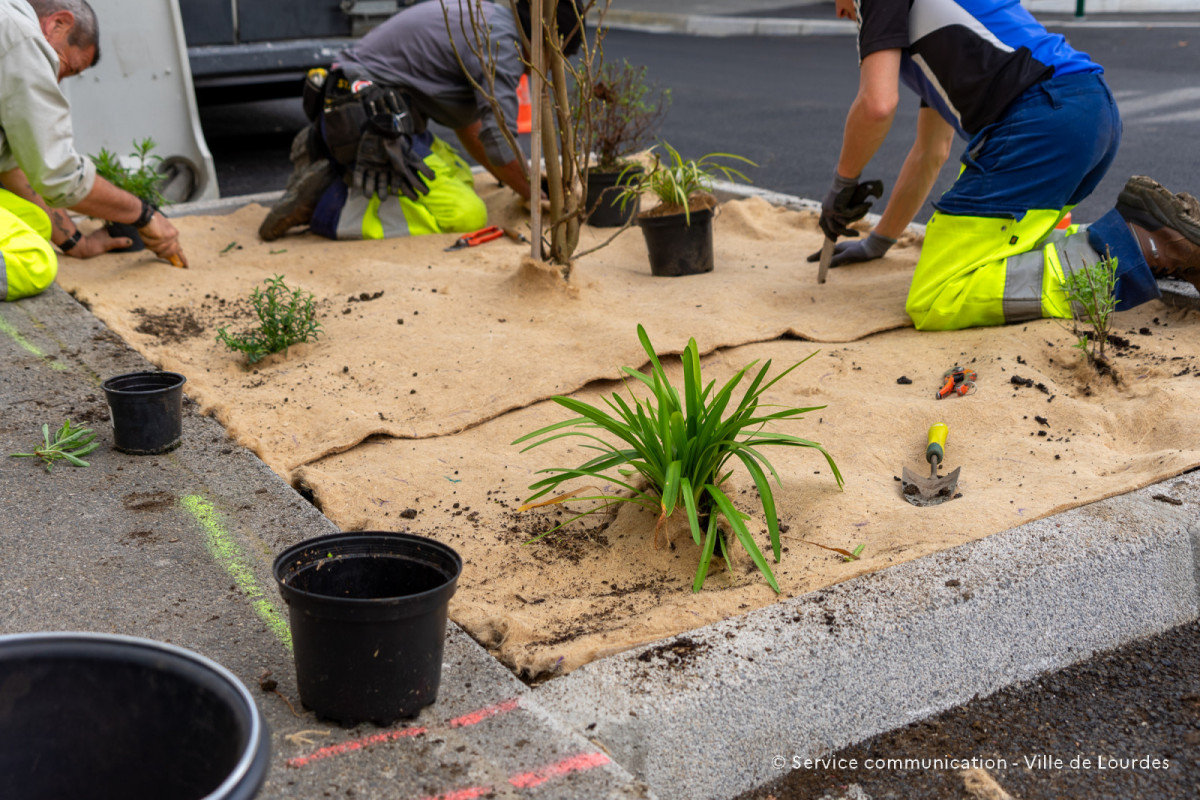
[
  {"x": 676, "y": 180},
  {"x": 681, "y": 445},
  {"x": 286, "y": 317}
]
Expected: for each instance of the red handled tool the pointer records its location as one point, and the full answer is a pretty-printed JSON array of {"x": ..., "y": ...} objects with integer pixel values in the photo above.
[
  {"x": 957, "y": 380},
  {"x": 485, "y": 235}
]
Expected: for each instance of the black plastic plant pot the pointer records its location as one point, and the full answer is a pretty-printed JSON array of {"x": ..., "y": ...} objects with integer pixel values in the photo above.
[
  {"x": 102, "y": 716},
  {"x": 368, "y": 615},
  {"x": 603, "y": 188},
  {"x": 146, "y": 410},
  {"x": 118, "y": 229},
  {"x": 677, "y": 248}
]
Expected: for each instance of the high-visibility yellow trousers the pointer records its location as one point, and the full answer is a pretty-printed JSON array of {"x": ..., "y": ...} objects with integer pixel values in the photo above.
[
  {"x": 450, "y": 206},
  {"x": 28, "y": 263}
]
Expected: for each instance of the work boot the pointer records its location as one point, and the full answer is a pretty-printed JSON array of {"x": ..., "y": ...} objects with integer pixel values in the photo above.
[
  {"x": 308, "y": 181},
  {"x": 1166, "y": 227}
]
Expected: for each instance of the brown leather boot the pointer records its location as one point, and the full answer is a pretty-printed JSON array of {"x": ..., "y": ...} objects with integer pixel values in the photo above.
[
  {"x": 1166, "y": 226},
  {"x": 308, "y": 181}
]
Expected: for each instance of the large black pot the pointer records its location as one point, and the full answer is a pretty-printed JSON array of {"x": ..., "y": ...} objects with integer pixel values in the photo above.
[
  {"x": 677, "y": 248},
  {"x": 368, "y": 615},
  {"x": 146, "y": 409},
  {"x": 602, "y": 191},
  {"x": 98, "y": 716}
]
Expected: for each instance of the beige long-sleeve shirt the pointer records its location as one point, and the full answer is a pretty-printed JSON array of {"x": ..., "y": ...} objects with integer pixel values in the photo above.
[{"x": 35, "y": 118}]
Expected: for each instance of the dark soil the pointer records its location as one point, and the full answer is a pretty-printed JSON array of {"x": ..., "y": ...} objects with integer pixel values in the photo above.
[{"x": 171, "y": 327}]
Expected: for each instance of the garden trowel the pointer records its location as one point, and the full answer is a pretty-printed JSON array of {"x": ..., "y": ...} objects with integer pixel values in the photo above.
[
  {"x": 930, "y": 491},
  {"x": 860, "y": 204}
]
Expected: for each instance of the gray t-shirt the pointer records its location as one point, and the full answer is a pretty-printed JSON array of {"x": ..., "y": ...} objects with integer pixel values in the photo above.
[{"x": 412, "y": 51}]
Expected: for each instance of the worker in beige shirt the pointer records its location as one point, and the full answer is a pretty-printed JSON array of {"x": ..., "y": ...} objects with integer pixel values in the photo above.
[{"x": 41, "y": 172}]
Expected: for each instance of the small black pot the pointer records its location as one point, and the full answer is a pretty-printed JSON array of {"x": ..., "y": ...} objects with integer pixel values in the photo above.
[
  {"x": 103, "y": 716},
  {"x": 146, "y": 409},
  {"x": 117, "y": 229},
  {"x": 677, "y": 248},
  {"x": 368, "y": 616},
  {"x": 602, "y": 191}
]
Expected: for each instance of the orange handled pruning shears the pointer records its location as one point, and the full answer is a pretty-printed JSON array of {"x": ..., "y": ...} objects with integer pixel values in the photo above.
[
  {"x": 478, "y": 237},
  {"x": 957, "y": 380}
]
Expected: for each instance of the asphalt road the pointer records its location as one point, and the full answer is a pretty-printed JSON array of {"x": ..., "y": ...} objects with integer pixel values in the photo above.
[{"x": 782, "y": 103}]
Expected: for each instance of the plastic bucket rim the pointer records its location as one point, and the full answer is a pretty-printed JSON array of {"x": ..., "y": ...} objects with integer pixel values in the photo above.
[
  {"x": 350, "y": 602},
  {"x": 177, "y": 381},
  {"x": 254, "y": 734},
  {"x": 700, "y": 216}
]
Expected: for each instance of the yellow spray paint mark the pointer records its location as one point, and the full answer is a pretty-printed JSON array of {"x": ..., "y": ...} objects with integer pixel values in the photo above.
[
  {"x": 227, "y": 553},
  {"x": 16, "y": 336}
]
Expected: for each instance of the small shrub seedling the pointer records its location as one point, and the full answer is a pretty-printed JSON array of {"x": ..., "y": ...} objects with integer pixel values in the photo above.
[
  {"x": 286, "y": 317},
  {"x": 143, "y": 181},
  {"x": 681, "y": 446},
  {"x": 65, "y": 444},
  {"x": 625, "y": 112},
  {"x": 1090, "y": 290}
]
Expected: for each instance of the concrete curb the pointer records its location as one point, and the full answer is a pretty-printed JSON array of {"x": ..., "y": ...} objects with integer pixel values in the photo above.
[
  {"x": 717, "y": 26},
  {"x": 725, "y": 708},
  {"x": 711, "y": 25}
]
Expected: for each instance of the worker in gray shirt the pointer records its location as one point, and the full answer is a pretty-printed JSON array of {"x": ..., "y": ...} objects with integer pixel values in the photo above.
[
  {"x": 368, "y": 167},
  {"x": 41, "y": 43}
]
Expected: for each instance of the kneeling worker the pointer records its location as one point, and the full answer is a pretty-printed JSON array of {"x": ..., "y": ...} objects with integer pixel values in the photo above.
[
  {"x": 42, "y": 42},
  {"x": 368, "y": 167}
]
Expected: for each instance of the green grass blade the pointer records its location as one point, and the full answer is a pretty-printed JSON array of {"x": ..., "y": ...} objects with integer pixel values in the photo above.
[
  {"x": 743, "y": 535},
  {"x": 710, "y": 542}
]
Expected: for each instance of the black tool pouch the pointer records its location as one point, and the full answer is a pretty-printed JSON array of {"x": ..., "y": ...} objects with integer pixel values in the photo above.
[{"x": 344, "y": 122}]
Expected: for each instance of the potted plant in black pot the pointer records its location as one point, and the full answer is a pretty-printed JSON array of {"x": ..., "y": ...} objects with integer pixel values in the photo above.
[
  {"x": 143, "y": 181},
  {"x": 678, "y": 231},
  {"x": 625, "y": 113}
]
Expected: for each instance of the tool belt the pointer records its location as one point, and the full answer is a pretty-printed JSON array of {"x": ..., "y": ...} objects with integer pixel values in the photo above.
[{"x": 341, "y": 107}]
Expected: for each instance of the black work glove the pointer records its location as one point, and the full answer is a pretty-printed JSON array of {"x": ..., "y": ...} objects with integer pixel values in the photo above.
[
  {"x": 869, "y": 249},
  {"x": 385, "y": 166},
  {"x": 385, "y": 162},
  {"x": 846, "y": 202}
]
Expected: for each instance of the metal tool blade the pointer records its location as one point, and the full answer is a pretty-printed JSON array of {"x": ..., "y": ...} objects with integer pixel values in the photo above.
[
  {"x": 826, "y": 257},
  {"x": 922, "y": 491}
]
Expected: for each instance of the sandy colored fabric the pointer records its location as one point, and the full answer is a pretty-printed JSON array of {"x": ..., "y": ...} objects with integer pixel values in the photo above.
[
  {"x": 419, "y": 342},
  {"x": 601, "y": 586},
  {"x": 408, "y": 426}
]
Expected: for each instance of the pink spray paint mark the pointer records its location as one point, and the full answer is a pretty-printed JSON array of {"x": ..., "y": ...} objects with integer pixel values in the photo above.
[
  {"x": 475, "y": 717},
  {"x": 576, "y": 763},
  {"x": 356, "y": 744},
  {"x": 465, "y": 720},
  {"x": 462, "y": 794}
]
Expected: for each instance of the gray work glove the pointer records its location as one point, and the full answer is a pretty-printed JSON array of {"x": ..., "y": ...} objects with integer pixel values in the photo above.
[
  {"x": 386, "y": 162},
  {"x": 847, "y": 201},
  {"x": 869, "y": 249}
]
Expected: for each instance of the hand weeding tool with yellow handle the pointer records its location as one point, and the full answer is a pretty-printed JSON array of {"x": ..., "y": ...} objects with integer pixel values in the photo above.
[{"x": 930, "y": 491}]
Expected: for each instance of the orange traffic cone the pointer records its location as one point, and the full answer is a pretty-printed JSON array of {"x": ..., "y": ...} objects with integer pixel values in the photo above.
[
  {"x": 1064, "y": 223},
  {"x": 524, "y": 107}
]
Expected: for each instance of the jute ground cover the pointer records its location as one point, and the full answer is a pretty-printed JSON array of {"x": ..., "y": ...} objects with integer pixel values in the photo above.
[
  {"x": 420, "y": 342},
  {"x": 408, "y": 427}
]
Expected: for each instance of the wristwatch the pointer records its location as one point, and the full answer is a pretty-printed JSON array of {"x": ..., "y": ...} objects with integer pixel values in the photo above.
[
  {"x": 70, "y": 243},
  {"x": 148, "y": 212}
]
